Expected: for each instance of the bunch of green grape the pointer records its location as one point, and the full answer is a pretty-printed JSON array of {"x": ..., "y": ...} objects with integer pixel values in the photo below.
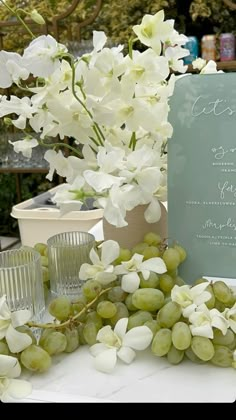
[{"x": 78, "y": 322}]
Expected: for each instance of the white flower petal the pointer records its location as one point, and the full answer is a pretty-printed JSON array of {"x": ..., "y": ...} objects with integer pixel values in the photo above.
[
  {"x": 130, "y": 282},
  {"x": 19, "y": 318},
  {"x": 126, "y": 354},
  {"x": 106, "y": 361},
  {"x": 153, "y": 212},
  {"x": 17, "y": 341},
  {"x": 93, "y": 255},
  {"x": 99, "y": 40},
  {"x": 110, "y": 251},
  {"x": 189, "y": 310},
  {"x": 121, "y": 327},
  {"x": 105, "y": 278},
  {"x": 16, "y": 388},
  {"x": 138, "y": 338},
  {"x": 155, "y": 264},
  {"x": 202, "y": 331},
  {"x": 97, "y": 348},
  {"x": 9, "y": 366},
  {"x": 106, "y": 336}
]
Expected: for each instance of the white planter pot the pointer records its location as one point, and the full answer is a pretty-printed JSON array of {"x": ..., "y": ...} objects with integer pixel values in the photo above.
[{"x": 38, "y": 221}]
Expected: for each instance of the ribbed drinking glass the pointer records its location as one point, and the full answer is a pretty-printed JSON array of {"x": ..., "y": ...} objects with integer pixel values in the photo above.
[
  {"x": 21, "y": 281},
  {"x": 66, "y": 253}
]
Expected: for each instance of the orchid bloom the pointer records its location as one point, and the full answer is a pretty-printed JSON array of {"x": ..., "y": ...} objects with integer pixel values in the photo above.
[
  {"x": 11, "y": 388},
  {"x": 203, "y": 320},
  {"x": 230, "y": 315},
  {"x": 16, "y": 341},
  {"x": 101, "y": 270},
  {"x": 130, "y": 269},
  {"x": 25, "y": 146},
  {"x": 189, "y": 298},
  {"x": 119, "y": 343}
]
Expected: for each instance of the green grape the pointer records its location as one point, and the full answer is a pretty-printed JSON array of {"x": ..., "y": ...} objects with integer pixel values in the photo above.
[
  {"x": 121, "y": 312},
  {"x": 219, "y": 305},
  {"x": 232, "y": 300},
  {"x": 166, "y": 283},
  {"x": 162, "y": 342},
  {"x": 53, "y": 342},
  {"x": 181, "y": 336},
  {"x": 173, "y": 273},
  {"x": 46, "y": 287},
  {"x": 60, "y": 308},
  {"x": 203, "y": 348},
  {"x": 138, "y": 249},
  {"x": 171, "y": 258},
  {"x": 181, "y": 251},
  {"x": 4, "y": 348},
  {"x": 91, "y": 289},
  {"x": 138, "y": 319},
  {"x": 153, "y": 325},
  {"x": 90, "y": 333},
  {"x": 44, "y": 261},
  {"x": 77, "y": 307},
  {"x": 221, "y": 291},
  {"x": 116, "y": 294},
  {"x": 35, "y": 358},
  {"x": 223, "y": 356},
  {"x": 223, "y": 340},
  {"x": 151, "y": 252},
  {"x": 211, "y": 302},
  {"x": 169, "y": 314},
  {"x": 106, "y": 309},
  {"x": 148, "y": 299},
  {"x": 128, "y": 302},
  {"x": 28, "y": 331},
  {"x": 152, "y": 281},
  {"x": 152, "y": 238},
  {"x": 232, "y": 346},
  {"x": 125, "y": 255},
  {"x": 192, "y": 356},
  {"x": 95, "y": 319},
  {"x": 45, "y": 274},
  {"x": 80, "y": 330},
  {"x": 72, "y": 340},
  {"x": 40, "y": 247},
  {"x": 175, "y": 356},
  {"x": 179, "y": 281}
]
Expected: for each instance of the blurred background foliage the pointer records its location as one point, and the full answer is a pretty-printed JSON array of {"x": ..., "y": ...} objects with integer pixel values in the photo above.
[{"x": 116, "y": 18}]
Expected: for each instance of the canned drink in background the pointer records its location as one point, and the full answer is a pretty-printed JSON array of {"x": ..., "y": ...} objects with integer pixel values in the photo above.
[
  {"x": 227, "y": 47},
  {"x": 208, "y": 46},
  {"x": 192, "y": 46}
]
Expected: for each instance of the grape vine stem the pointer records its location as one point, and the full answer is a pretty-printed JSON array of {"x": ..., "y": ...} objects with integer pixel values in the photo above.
[{"x": 71, "y": 319}]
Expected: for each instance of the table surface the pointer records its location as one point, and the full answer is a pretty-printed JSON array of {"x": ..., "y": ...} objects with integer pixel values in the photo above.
[{"x": 73, "y": 378}]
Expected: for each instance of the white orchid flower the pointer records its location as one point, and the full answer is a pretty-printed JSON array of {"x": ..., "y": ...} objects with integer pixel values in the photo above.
[
  {"x": 230, "y": 315},
  {"x": 41, "y": 56},
  {"x": 130, "y": 269},
  {"x": 16, "y": 341},
  {"x": 101, "y": 270},
  {"x": 210, "y": 67},
  {"x": 11, "y": 69},
  {"x": 25, "y": 146},
  {"x": 10, "y": 388},
  {"x": 119, "y": 343},
  {"x": 199, "y": 63},
  {"x": 153, "y": 30},
  {"x": 189, "y": 298},
  {"x": 203, "y": 320}
]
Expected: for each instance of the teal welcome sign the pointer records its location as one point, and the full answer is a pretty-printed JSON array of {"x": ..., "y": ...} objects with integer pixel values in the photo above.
[{"x": 202, "y": 174}]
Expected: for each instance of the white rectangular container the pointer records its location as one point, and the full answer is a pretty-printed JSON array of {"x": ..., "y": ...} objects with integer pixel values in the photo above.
[{"x": 38, "y": 219}]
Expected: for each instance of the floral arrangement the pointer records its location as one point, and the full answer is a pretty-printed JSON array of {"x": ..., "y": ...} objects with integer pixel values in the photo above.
[
  {"x": 112, "y": 106},
  {"x": 130, "y": 300}
]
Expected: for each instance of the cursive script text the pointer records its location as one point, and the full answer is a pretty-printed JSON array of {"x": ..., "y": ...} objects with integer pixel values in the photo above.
[{"x": 217, "y": 107}]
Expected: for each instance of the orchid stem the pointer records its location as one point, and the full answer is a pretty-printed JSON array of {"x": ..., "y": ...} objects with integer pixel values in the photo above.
[{"x": 14, "y": 12}]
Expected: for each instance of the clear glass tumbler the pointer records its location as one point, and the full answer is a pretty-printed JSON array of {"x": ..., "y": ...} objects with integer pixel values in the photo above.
[
  {"x": 66, "y": 253},
  {"x": 21, "y": 281}
]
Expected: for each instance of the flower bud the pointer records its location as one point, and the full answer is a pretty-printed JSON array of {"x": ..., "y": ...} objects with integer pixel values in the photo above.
[
  {"x": 7, "y": 121},
  {"x": 36, "y": 17}
]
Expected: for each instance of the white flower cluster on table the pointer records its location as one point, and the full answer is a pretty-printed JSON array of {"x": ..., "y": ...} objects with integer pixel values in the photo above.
[{"x": 115, "y": 105}]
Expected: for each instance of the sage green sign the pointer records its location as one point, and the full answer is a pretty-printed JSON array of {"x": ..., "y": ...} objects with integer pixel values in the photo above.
[{"x": 202, "y": 174}]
